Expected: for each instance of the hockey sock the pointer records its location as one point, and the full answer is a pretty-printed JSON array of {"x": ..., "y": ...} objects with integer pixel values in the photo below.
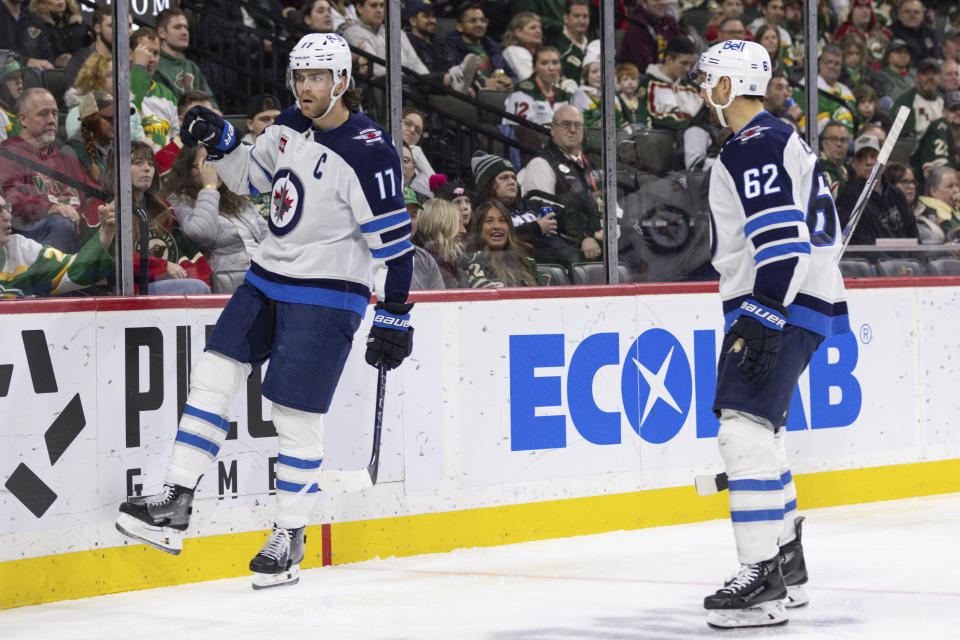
[
  {"x": 789, "y": 490},
  {"x": 298, "y": 464},
  {"x": 214, "y": 381},
  {"x": 756, "y": 490}
]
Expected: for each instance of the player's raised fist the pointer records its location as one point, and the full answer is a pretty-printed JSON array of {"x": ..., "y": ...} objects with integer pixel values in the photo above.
[{"x": 203, "y": 126}]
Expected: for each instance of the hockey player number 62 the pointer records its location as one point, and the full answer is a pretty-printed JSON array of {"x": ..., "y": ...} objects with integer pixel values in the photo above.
[{"x": 751, "y": 181}]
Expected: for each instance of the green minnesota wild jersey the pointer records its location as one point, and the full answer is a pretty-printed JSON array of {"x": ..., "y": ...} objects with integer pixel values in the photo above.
[
  {"x": 530, "y": 103},
  {"x": 935, "y": 149},
  {"x": 29, "y": 269}
]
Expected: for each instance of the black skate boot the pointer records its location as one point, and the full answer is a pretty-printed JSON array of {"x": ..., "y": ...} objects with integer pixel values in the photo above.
[
  {"x": 278, "y": 562},
  {"x": 753, "y": 598},
  {"x": 794, "y": 570},
  {"x": 158, "y": 520}
]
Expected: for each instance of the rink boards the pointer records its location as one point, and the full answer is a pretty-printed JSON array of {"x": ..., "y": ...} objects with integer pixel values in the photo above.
[{"x": 521, "y": 415}]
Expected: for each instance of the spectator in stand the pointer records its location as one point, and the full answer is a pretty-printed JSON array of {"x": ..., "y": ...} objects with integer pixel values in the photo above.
[
  {"x": 895, "y": 76},
  {"x": 835, "y": 99},
  {"x": 227, "y": 227},
  {"x": 426, "y": 271},
  {"x": 457, "y": 192},
  {"x": 834, "y": 144},
  {"x": 369, "y": 34},
  {"x": 499, "y": 258},
  {"x": 174, "y": 69},
  {"x": 949, "y": 76},
  {"x": 887, "y": 213},
  {"x": 925, "y": 102},
  {"x": 733, "y": 29},
  {"x": 96, "y": 74},
  {"x": 166, "y": 156},
  {"x": 726, "y": 10},
  {"x": 44, "y": 208},
  {"x": 409, "y": 169},
  {"x": 928, "y": 226},
  {"x": 175, "y": 265},
  {"x": 778, "y": 100},
  {"x": 496, "y": 180},
  {"x": 523, "y": 37},
  {"x": 14, "y": 20},
  {"x": 866, "y": 98},
  {"x": 91, "y": 144},
  {"x": 771, "y": 13},
  {"x": 54, "y": 30},
  {"x": 562, "y": 173},
  {"x": 422, "y": 37},
  {"x": 318, "y": 16},
  {"x": 102, "y": 23},
  {"x": 572, "y": 42},
  {"x": 550, "y": 12},
  {"x": 412, "y": 130},
  {"x": 856, "y": 71},
  {"x": 628, "y": 96},
  {"x": 588, "y": 97},
  {"x": 943, "y": 196},
  {"x": 862, "y": 22},
  {"x": 671, "y": 99},
  {"x": 11, "y": 86},
  {"x": 643, "y": 45},
  {"x": 439, "y": 230},
  {"x": 940, "y": 144},
  {"x": 28, "y": 269},
  {"x": 155, "y": 102},
  {"x": 262, "y": 110},
  {"x": 769, "y": 37},
  {"x": 470, "y": 36},
  {"x": 951, "y": 44},
  {"x": 920, "y": 38},
  {"x": 537, "y": 98}
]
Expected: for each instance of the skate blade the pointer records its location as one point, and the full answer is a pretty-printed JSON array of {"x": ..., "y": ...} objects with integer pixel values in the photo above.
[
  {"x": 160, "y": 538},
  {"x": 268, "y": 580},
  {"x": 796, "y": 597},
  {"x": 767, "y": 614}
]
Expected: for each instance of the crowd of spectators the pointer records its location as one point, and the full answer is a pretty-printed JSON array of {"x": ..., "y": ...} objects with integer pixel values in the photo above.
[{"x": 493, "y": 223}]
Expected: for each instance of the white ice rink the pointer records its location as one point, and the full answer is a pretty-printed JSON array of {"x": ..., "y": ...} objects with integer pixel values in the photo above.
[{"x": 883, "y": 570}]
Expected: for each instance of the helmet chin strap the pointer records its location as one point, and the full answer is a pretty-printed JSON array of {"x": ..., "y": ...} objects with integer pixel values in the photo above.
[
  {"x": 333, "y": 99},
  {"x": 719, "y": 109}
]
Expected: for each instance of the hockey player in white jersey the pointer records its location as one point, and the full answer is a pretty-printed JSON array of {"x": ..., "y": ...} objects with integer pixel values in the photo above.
[
  {"x": 777, "y": 242},
  {"x": 336, "y": 215}
]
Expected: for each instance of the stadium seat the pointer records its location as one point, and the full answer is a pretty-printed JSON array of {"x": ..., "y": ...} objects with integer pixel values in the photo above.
[
  {"x": 239, "y": 122},
  {"x": 944, "y": 267},
  {"x": 902, "y": 149},
  {"x": 856, "y": 268},
  {"x": 444, "y": 26},
  {"x": 493, "y": 99},
  {"x": 890, "y": 267},
  {"x": 556, "y": 274},
  {"x": 592, "y": 273},
  {"x": 654, "y": 150},
  {"x": 698, "y": 19},
  {"x": 55, "y": 81},
  {"x": 463, "y": 109}
]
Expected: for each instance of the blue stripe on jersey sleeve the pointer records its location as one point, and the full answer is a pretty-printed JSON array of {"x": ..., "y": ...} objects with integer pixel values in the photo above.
[
  {"x": 391, "y": 250},
  {"x": 781, "y": 250},
  {"x": 266, "y": 174},
  {"x": 385, "y": 221},
  {"x": 768, "y": 219}
]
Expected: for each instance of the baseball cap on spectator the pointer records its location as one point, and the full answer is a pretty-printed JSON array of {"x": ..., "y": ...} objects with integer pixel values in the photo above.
[
  {"x": 262, "y": 102},
  {"x": 486, "y": 167},
  {"x": 928, "y": 65},
  {"x": 416, "y": 6},
  {"x": 11, "y": 66},
  {"x": 897, "y": 43},
  {"x": 96, "y": 102},
  {"x": 866, "y": 141},
  {"x": 950, "y": 32},
  {"x": 951, "y": 99},
  {"x": 410, "y": 197}
]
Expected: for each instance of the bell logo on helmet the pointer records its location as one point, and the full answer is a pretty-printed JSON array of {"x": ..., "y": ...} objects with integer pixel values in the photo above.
[{"x": 734, "y": 44}]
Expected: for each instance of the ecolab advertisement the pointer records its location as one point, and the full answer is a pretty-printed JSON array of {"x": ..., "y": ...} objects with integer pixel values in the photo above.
[{"x": 503, "y": 401}]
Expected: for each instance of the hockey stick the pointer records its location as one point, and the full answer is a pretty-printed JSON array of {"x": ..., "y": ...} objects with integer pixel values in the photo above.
[
  {"x": 861, "y": 204},
  {"x": 349, "y": 481},
  {"x": 710, "y": 484}
]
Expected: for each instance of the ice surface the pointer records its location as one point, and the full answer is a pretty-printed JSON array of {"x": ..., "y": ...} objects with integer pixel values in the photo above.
[{"x": 882, "y": 570}]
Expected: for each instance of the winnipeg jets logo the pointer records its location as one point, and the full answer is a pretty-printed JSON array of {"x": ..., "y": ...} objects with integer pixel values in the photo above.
[
  {"x": 370, "y": 136},
  {"x": 752, "y": 132},
  {"x": 286, "y": 202}
]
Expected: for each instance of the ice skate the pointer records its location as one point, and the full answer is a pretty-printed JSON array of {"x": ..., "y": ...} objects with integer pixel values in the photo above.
[
  {"x": 278, "y": 562},
  {"x": 159, "y": 520},
  {"x": 794, "y": 570},
  {"x": 752, "y": 598}
]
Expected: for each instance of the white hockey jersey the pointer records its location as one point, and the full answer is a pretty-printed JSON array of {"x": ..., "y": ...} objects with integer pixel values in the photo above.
[
  {"x": 336, "y": 211},
  {"x": 776, "y": 228}
]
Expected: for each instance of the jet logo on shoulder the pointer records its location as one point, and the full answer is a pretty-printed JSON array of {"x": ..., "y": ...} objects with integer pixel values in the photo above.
[
  {"x": 370, "y": 136},
  {"x": 751, "y": 133}
]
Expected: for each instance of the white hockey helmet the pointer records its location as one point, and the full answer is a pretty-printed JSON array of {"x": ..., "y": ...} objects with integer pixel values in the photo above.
[
  {"x": 747, "y": 64},
  {"x": 321, "y": 51}
]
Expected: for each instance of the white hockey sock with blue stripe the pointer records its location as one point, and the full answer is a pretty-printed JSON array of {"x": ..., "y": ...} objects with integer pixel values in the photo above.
[
  {"x": 789, "y": 532},
  {"x": 755, "y": 486},
  {"x": 214, "y": 380},
  {"x": 298, "y": 464}
]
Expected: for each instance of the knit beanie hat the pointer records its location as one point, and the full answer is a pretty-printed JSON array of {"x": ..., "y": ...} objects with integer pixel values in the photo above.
[{"x": 486, "y": 167}]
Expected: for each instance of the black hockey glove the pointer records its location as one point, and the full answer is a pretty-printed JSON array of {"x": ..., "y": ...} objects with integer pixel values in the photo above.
[
  {"x": 391, "y": 337},
  {"x": 756, "y": 336},
  {"x": 203, "y": 126}
]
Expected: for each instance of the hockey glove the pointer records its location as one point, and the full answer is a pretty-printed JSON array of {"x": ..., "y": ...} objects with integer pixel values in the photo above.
[
  {"x": 391, "y": 337},
  {"x": 756, "y": 336},
  {"x": 203, "y": 126}
]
